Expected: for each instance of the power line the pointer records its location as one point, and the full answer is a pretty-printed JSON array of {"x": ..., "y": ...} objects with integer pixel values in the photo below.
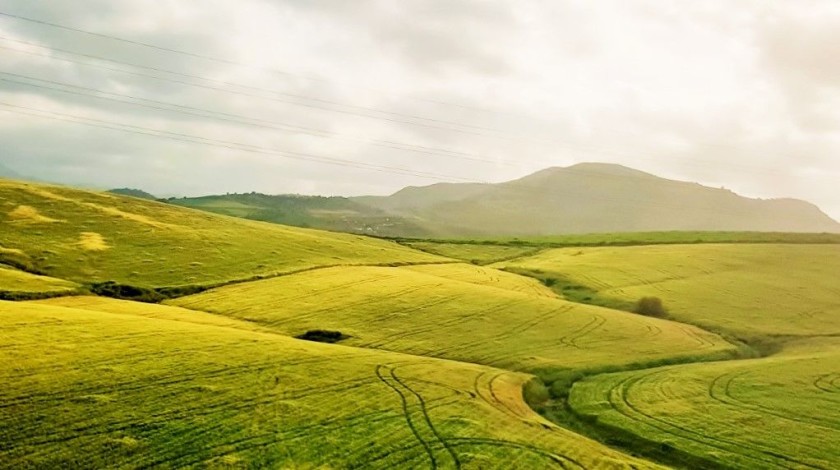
[
  {"x": 274, "y": 96},
  {"x": 223, "y": 144},
  {"x": 242, "y": 64},
  {"x": 239, "y": 119},
  {"x": 467, "y": 155},
  {"x": 234, "y": 63}
]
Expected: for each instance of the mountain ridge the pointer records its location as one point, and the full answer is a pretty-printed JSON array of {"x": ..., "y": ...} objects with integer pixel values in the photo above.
[{"x": 582, "y": 198}]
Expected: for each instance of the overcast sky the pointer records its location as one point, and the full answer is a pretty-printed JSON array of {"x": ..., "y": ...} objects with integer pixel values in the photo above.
[{"x": 740, "y": 94}]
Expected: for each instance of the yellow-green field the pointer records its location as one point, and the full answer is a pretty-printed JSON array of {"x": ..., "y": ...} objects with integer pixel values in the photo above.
[
  {"x": 436, "y": 369},
  {"x": 14, "y": 281},
  {"x": 109, "y": 386},
  {"x": 459, "y": 312},
  {"x": 765, "y": 289},
  {"x": 777, "y": 412},
  {"x": 86, "y": 236}
]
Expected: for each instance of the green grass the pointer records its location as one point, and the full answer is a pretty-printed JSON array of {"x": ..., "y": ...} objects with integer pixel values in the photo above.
[
  {"x": 458, "y": 312},
  {"x": 19, "y": 282},
  {"x": 777, "y": 412},
  {"x": 749, "y": 290},
  {"x": 102, "y": 383},
  {"x": 89, "y": 237}
]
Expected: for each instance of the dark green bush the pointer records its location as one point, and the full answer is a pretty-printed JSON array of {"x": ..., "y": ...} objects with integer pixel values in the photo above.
[
  {"x": 651, "y": 307},
  {"x": 323, "y": 336}
]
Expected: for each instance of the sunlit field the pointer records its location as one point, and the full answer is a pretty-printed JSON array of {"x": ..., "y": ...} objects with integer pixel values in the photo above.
[
  {"x": 134, "y": 385},
  {"x": 458, "y": 312},
  {"x": 748, "y": 289},
  {"x": 778, "y": 412}
]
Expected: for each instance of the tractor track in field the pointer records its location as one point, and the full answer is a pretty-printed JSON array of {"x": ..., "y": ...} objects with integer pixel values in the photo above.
[
  {"x": 828, "y": 386},
  {"x": 729, "y": 399},
  {"x": 493, "y": 401},
  {"x": 165, "y": 380},
  {"x": 456, "y": 320},
  {"x": 516, "y": 330},
  {"x": 621, "y": 390},
  {"x": 428, "y": 419},
  {"x": 289, "y": 436},
  {"x": 406, "y": 412},
  {"x": 571, "y": 339}
]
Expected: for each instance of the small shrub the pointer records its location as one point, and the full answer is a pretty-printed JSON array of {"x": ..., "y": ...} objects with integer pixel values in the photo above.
[
  {"x": 549, "y": 281},
  {"x": 651, "y": 307},
  {"x": 535, "y": 393},
  {"x": 323, "y": 336}
]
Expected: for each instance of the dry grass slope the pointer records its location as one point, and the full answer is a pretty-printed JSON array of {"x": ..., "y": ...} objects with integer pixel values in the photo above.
[{"x": 143, "y": 385}]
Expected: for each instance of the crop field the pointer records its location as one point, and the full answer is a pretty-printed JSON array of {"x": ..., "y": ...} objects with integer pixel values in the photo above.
[
  {"x": 14, "y": 281},
  {"x": 131, "y": 385},
  {"x": 453, "y": 312},
  {"x": 86, "y": 236},
  {"x": 749, "y": 289},
  {"x": 777, "y": 412}
]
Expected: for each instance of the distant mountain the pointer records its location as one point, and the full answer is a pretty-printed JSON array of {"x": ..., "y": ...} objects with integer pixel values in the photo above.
[
  {"x": 338, "y": 214},
  {"x": 594, "y": 197},
  {"x": 132, "y": 192}
]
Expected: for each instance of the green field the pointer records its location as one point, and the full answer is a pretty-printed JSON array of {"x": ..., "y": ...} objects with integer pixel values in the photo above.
[
  {"x": 458, "y": 312},
  {"x": 20, "y": 283},
  {"x": 103, "y": 384},
  {"x": 440, "y": 363},
  {"x": 777, "y": 412},
  {"x": 750, "y": 290},
  {"x": 88, "y": 237}
]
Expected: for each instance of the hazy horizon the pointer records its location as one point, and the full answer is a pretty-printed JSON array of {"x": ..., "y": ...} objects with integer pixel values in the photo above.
[{"x": 333, "y": 99}]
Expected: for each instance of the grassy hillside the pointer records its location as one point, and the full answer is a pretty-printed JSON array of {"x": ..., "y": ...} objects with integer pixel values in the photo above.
[
  {"x": 176, "y": 389},
  {"x": 458, "y": 312},
  {"x": 18, "y": 284},
  {"x": 778, "y": 412},
  {"x": 87, "y": 237},
  {"x": 328, "y": 213},
  {"x": 751, "y": 290}
]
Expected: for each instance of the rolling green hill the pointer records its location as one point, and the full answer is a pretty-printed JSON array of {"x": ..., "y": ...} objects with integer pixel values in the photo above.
[
  {"x": 434, "y": 361},
  {"x": 102, "y": 383},
  {"x": 458, "y": 312},
  {"x": 86, "y": 237},
  {"x": 750, "y": 290},
  {"x": 327, "y": 213},
  {"x": 777, "y": 412}
]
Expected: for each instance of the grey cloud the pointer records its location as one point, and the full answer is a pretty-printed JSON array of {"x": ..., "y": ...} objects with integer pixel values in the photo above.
[{"x": 737, "y": 95}]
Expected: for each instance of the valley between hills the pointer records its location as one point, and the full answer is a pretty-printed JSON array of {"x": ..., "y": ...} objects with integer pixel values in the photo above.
[{"x": 137, "y": 333}]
